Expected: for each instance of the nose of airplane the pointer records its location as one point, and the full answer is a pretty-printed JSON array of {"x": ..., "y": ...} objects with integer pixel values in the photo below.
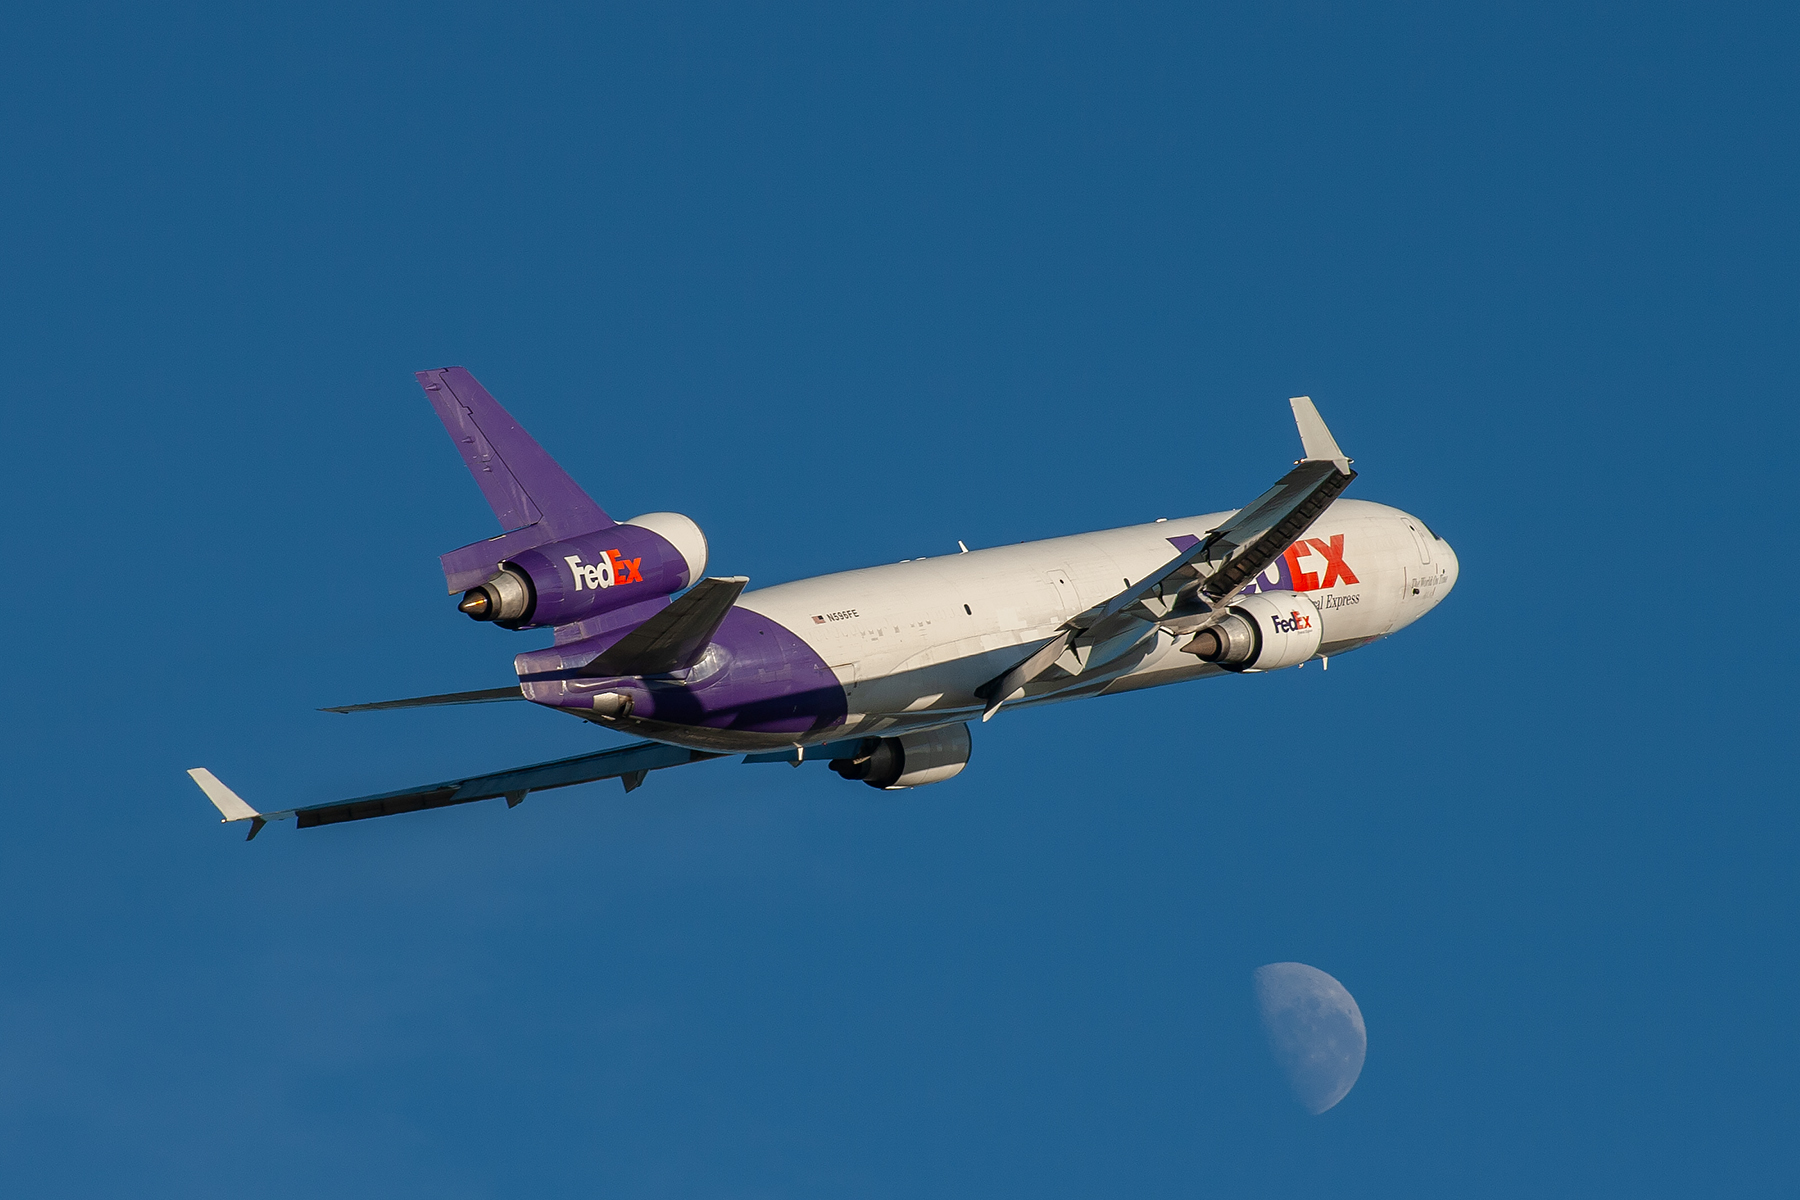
[{"x": 1451, "y": 567}]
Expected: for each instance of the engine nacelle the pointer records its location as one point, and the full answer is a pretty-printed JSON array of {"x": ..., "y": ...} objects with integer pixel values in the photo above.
[
  {"x": 910, "y": 760},
  {"x": 1263, "y": 632},
  {"x": 656, "y": 554}
]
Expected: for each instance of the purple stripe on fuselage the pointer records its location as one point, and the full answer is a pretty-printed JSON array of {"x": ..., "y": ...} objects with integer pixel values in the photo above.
[
  {"x": 757, "y": 677},
  {"x": 615, "y": 622}
]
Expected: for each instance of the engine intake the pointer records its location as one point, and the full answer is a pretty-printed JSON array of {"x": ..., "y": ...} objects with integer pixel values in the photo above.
[{"x": 910, "y": 760}]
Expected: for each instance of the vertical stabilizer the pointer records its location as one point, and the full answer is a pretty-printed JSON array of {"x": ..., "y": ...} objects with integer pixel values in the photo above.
[{"x": 523, "y": 484}]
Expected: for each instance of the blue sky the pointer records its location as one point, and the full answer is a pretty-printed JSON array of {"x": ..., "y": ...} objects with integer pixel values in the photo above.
[{"x": 847, "y": 286}]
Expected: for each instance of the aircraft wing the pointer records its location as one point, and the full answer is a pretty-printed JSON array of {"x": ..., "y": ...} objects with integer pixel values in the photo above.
[
  {"x": 1227, "y": 559},
  {"x": 627, "y": 763},
  {"x": 1248, "y": 544},
  {"x": 1256, "y": 535}
]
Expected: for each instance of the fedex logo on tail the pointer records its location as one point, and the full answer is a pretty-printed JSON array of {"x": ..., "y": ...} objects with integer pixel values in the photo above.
[
  {"x": 609, "y": 570},
  {"x": 1309, "y": 565}
]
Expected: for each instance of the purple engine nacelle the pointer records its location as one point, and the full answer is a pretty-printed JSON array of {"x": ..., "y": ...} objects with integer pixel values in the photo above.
[{"x": 657, "y": 554}]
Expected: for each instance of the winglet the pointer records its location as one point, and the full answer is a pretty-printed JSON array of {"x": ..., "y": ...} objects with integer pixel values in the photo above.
[
  {"x": 1317, "y": 441},
  {"x": 231, "y": 806}
]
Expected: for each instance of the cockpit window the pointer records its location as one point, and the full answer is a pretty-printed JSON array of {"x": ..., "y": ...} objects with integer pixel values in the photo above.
[{"x": 1434, "y": 537}]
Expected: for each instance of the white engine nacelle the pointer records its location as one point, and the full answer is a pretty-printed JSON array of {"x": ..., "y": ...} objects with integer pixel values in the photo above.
[
  {"x": 1263, "y": 632},
  {"x": 910, "y": 760},
  {"x": 679, "y": 531}
]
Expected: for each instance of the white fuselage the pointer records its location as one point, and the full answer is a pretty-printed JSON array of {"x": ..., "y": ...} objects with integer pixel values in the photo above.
[{"x": 910, "y": 642}]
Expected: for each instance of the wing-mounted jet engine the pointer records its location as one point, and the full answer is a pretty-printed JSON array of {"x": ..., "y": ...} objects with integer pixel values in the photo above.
[
  {"x": 1198, "y": 590},
  {"x": 911, "y": 760},
  {"x": 1263, "y": 632}
]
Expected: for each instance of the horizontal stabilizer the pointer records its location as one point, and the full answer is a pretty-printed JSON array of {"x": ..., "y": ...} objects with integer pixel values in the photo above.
[
  {"x": 675, "y": 637},
  {"x": 484, "y": 696}
]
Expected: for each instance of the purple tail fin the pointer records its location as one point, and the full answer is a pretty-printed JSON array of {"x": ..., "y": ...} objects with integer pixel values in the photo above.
[
  {"x": 522, "y": 483},
  {"x": 534, "y": 499}
]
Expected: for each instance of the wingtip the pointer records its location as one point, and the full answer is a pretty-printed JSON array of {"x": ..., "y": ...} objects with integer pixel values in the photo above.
[
  {"x": 231, "y": 806},
  {"x": 1315, "y": 437}
]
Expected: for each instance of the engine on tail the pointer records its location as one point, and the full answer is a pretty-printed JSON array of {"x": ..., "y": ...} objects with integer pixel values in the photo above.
[
  {"x": 910, "y": 760},
  {"x": 1262, "y": 632},
  {"x": 657, "y": 554}
]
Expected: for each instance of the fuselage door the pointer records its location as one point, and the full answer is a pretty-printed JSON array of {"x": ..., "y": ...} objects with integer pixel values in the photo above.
[
  {"x": 1412, "y": 579},
  {"x": 1420, "y": 540},
  {"x": 1065, "y": 593}
]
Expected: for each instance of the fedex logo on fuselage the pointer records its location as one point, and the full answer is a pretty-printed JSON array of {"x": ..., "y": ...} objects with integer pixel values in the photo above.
[
  {"x": 609, "y": 570},
  {"x": 1309, "y": 565}
]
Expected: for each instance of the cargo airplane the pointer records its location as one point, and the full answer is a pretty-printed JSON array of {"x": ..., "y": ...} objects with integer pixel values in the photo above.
[{"x": 880, "y": 672}]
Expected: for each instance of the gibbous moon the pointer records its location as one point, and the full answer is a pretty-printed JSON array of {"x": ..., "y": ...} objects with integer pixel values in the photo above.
[{"x": 1315, "y": 1031}]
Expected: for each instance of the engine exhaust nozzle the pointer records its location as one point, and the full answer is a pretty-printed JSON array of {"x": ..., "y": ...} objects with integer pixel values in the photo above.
[
  {"x": 1232, "y": 640},
  {"x": 506, "y": 596}
]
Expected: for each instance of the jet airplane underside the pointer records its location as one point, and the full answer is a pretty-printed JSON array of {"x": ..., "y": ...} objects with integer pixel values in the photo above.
[{"x": 881, "y": 671}]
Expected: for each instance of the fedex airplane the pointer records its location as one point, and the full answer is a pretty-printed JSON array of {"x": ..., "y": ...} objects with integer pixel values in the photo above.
[{"x": 880, "y": 672}]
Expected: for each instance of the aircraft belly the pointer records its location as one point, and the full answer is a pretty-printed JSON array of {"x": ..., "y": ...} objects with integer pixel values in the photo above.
[
  {"x": 943, "y": 677},
  {"x": 1162, "y": 674},
  {"x": 703, "y": 737},
  {"x": 758, "y": 680}
]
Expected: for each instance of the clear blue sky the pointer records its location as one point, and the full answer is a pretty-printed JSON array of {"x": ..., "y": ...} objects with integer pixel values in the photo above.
[{"x": 847, "y": 286}]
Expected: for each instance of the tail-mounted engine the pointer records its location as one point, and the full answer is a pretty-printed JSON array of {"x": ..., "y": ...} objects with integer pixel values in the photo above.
[
  {"x": 657, "y": 554},
  {"x": 1262, "y": 632},
  {"x": 910, "y": 760}
]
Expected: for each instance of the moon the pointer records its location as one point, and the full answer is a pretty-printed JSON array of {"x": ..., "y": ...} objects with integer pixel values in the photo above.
[{"x": 1315, "y": 1032}]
